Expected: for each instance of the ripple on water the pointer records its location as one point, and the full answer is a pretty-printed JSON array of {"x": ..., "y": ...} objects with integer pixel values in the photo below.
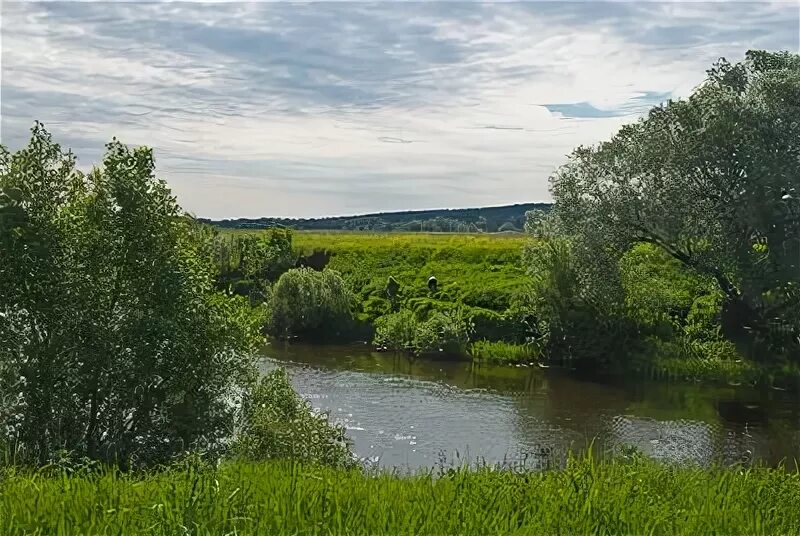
[{"x": 405, "y": 420}]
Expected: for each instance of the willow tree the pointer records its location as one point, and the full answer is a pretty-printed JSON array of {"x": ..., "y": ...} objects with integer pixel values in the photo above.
[{"x": 714, "y": 181}]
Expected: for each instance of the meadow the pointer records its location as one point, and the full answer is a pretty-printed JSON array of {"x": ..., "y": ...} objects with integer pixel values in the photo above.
[
  {"x": 281, "y": 497},
  {"x": 481, "y": 278},
  {"x": 484, "y": 271}
]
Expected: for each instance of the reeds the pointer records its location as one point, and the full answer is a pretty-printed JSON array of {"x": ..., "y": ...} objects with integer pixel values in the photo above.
[{"x": 504, "y": 352}]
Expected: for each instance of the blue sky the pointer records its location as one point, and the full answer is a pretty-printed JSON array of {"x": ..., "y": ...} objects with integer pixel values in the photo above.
[{"x": 290, "y": 109}]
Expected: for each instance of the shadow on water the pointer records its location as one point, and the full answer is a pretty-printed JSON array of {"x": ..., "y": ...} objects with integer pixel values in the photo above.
[{"x": 409, "y": 413}]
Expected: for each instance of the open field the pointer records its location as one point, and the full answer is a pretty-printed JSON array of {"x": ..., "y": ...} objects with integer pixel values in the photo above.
[
  {"x": 285, "y": 498},
  {"x": 476, "y": 271}
]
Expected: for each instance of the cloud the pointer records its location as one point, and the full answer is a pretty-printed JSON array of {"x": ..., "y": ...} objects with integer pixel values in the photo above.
[{"x": 334, "y": 108}]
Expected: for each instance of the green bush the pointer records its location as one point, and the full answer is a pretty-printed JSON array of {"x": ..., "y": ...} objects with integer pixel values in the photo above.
[
  {"x": 445, "y": 332},
  {"x": 310, "y": 304},
  {"x": 503, "y": 352},
  {"x": 584, "y": 330},
  {"x": 277, "y": 423},
  {"x": 397, "y": 331},
  {"x": 494, "y": 326}
]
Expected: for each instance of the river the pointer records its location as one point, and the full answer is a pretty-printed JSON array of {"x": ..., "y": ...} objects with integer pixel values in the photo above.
[{"x": 422, "y": 413}]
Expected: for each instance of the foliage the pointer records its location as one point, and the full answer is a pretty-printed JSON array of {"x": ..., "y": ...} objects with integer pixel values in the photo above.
[
  {"x": 309, "y": 303},
  {"x": 493, "y": 326},
  {"x": 278, "y": 423},
  {"x": 447, "y": 332},
  {"x": 587, "y": 497},
  {"x": 247, "y": 264},
  {"x": 113, "y": 343},
  {"x": 397, "y": 331},
  {"x": 575, "y": 327},
  {"x": 712, "y": 180},
  {"x": 503, "y": 352},
  {"x": 659, "y": 290}
]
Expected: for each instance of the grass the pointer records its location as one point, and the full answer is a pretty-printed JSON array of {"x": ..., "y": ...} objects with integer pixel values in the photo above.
[
  {"x": 588, "y": 497},
  {"x": 482, "y": 271},
  {"x": 503, "y": 352},
  {"x": 476, "y": 270}
]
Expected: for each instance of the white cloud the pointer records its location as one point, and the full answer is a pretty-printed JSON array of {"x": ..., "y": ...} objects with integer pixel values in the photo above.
[{"x": 303, "y": 110}]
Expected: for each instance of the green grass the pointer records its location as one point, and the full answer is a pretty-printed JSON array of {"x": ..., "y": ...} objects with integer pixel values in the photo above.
[
  {"x": 503, "y": 352},
  {"x": 480, "y": 271},
  {"x": 483, "y": 271},
  {"x": 588, "y": 497}
]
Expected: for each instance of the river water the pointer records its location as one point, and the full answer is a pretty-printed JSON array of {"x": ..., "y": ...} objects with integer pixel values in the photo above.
[{"x": 414, "y": 414}]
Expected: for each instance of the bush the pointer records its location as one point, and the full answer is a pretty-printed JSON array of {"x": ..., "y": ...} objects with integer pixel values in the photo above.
[
  {"x": 445, "y": 332},
  {"x": 503, "y": 352},
  {"x": 494, "y": 326},
  {"x": 397, "y": 331},
  {"x": 585, "y": 330},
  {"x": 310, "y": 304},
  {"x": 278, "y": 423}
]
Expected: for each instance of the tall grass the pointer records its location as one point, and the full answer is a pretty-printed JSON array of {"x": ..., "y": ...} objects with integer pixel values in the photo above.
[
  {"x": 587, "y": 497},
  {"x": 503, "y": 352}
]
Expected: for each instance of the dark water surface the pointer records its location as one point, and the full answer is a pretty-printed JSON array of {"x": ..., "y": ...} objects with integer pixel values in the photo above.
[{"x": 407, "y": 414}]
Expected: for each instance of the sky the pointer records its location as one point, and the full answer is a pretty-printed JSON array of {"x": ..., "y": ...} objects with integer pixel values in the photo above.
[{"x": 335, "y": 108}]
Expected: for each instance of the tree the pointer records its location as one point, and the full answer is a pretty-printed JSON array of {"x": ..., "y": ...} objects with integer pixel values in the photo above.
[
  {"x": 113, "y": 342},
  {"x": 713, "y": 180},
  {"x": 310, "y": 303}
]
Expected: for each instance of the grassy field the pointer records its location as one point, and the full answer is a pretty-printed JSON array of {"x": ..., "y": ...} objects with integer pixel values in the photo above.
[
  {"x": 477, "y": 271},
  {"x": 284, "y": 498}
]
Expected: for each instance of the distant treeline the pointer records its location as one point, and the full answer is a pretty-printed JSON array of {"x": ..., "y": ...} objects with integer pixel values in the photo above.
[{"x": 463, "y": 220}]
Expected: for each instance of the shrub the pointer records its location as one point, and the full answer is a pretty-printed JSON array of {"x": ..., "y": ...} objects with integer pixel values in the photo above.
[
  {"x": 447, "y": 332},
  {"x": 310, "y": 304},
  {"x": 494, "y": 326},
  {"x": 397, "y": 331},
  {"x": 503, "y": 352},
  {"x": 582, "y": 329},
  {"x": 277, "y": 423}
]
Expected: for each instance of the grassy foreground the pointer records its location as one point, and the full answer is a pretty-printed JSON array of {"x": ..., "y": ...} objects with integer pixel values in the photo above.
[{"x": 286, "y": 498}]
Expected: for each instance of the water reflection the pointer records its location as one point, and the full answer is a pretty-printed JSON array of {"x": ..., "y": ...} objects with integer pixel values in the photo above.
[{"x": 407, "y": 413}]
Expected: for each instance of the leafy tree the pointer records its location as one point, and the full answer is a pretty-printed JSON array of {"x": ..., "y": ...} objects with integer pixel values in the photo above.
[
  {"x": 713, "y": 180},
  {"x": 267, "y": 256},
  {"x": 113, "y": 343},
  {"x": 309, "y": 303}
]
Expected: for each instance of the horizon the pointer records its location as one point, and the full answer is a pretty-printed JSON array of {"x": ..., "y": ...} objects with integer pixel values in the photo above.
[
  {"x": 375, "y": 213},
  {"x": 348, "y": 108}
]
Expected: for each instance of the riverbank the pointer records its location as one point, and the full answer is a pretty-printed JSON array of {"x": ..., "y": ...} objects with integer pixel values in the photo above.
[
  {"x": 588, "y": 497},
  {"x": 485, "y": 307}
]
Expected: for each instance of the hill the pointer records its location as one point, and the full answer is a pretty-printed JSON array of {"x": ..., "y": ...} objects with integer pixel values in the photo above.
[{"x": 489, "y": 219}]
